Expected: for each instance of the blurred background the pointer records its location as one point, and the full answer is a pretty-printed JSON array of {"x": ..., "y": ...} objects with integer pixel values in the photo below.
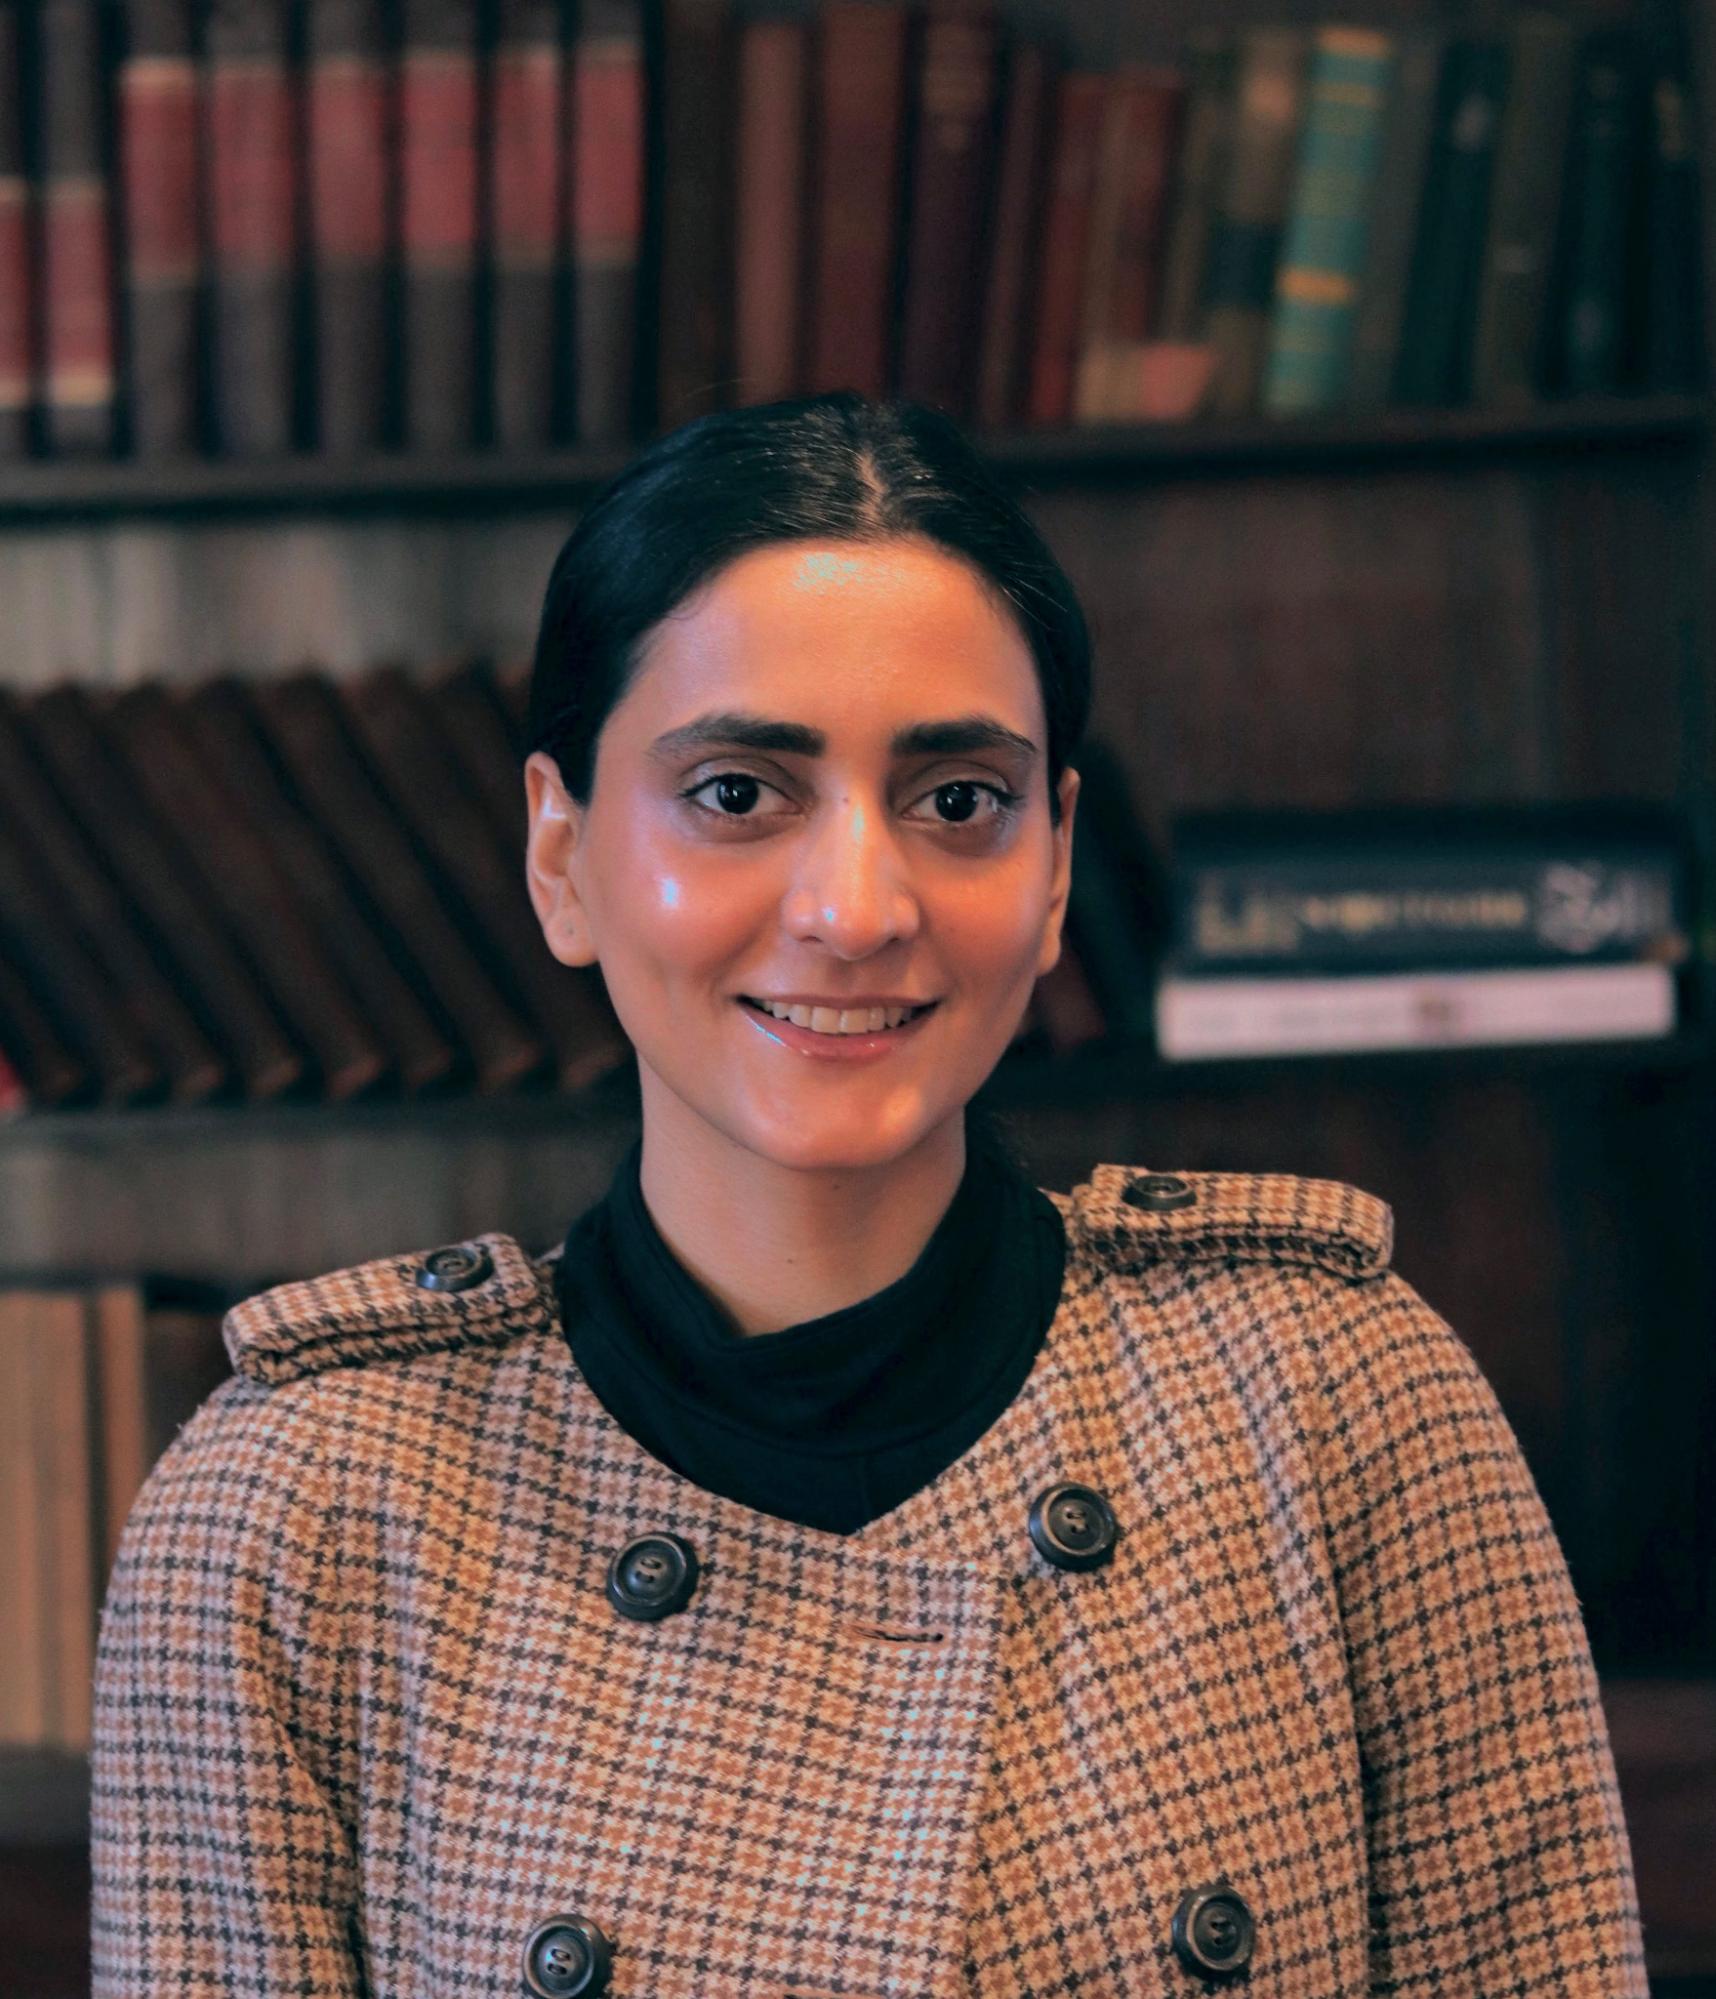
[{"x": 1356, "y": 369}]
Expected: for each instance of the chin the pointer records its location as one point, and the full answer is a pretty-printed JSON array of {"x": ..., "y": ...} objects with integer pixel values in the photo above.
[{"x": 832, "y": 1146}]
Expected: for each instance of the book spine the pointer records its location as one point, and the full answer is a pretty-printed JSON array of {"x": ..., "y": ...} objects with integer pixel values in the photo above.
[
  {"x": 116, "y": 1329},
  {"x": 522, "y": 186},
  {"x": 1434, "y": 366},
  {"x": 14, "y": 1101},
  {"x": 1240, "y": 284},
  {"x": 60, "y": 1371},
  {"x": 1323, "y": 250},
  {"x": 76, "y": 242},
  {"x": 1004, "y": 327},
  {"x": 251, "y": 165},
  {"x": 771, "y": 155},
  {"x": 1200, "y": 174},
  {"x": 1074, "y": 150},
  {"x": 1205, "y": 1019},
  {"x": 607, "y": 177},
  {"x": 50, "y": 1073},
  {"x": 694, "y": 306},
  {"x": 25, "y": 1694},
  {"x": 1402, "y": 179},
  {"x": 349, "y": 176},
  {"x": 17, "y": 263},
  {"x": 952, "y": 166},
  {"x": 438, "y": 163},
  {"x": 858, "y": 175},
  {"x": 1122, "y": 274},
  {"x": 1601, "y": 190},
  {"x": 1672, "y": 301},
  {"x": 158, "y": 118},
  {"x": 1507, "y": 343}
]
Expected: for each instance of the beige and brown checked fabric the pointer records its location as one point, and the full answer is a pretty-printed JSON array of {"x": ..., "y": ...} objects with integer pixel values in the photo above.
[{"x": 366, "y": 1718}]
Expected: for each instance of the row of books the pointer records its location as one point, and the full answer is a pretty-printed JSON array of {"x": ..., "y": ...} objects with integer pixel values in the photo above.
[
  {"x": 313, "y": 887},
  {"x": 352, "y": 225},
  {"x": 94, "y": 1384}
]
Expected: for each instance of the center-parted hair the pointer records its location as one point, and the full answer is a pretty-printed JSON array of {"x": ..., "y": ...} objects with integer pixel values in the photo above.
[{"x": 836, "y": 466}]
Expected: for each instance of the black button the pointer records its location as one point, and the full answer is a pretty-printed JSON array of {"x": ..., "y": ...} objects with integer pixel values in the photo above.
[
  {"x": 1213, "y": 1930},
  {"x": 1157, "y": 1191},
  {"x": 1073, "y": 1526},
  {"x": 652, "y": 1577},
  {"x": 566, "y": 1957},
  {"x": 455, "y": 1268}
]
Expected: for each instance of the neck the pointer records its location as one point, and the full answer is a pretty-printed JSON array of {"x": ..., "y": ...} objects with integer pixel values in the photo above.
[{"x": 777, "y": 1245}]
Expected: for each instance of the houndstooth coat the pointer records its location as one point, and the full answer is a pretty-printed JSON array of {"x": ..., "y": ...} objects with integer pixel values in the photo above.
[{"x": 1238, "y": 1653}]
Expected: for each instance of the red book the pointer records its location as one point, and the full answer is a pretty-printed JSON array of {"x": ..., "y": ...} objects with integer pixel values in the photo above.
[
  {"x": 769, "y": 209},
  {"x": 17, "y": 278},
  {"x": 526, "y": 97},
  {"x": 14, "y": 1096},
  {"x": 76, "y": 231},
  {"x": 438, "y": 222},
  {"x": 953, "y": 170},
  {"x": 252, "y": 170},
  {"x": 605, "y": 172},
  {"x": 1123, "y": 263},
  {"x": 1004, "y": 325},
  {"x": 349, "y": 172},
  {"x": 857, "y": 174},
  {"x": 1066, "y": 227},
  {"x": 158, "y": 113}
]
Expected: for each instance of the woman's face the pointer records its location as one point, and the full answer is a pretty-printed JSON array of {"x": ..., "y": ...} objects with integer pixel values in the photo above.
[{"x": 826, "y": 785}]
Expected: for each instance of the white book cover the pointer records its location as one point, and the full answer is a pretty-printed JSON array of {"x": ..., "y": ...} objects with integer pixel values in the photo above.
[{"x": 1201, "y": 1019}]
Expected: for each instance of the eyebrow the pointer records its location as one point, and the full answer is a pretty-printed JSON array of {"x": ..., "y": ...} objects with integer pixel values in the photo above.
[{"x": 958, "y": 735}]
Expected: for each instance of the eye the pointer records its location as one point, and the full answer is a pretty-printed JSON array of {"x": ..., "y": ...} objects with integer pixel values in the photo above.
[
  {"x": 963, "y": 799},
  {"x": 736, "y": 792}
]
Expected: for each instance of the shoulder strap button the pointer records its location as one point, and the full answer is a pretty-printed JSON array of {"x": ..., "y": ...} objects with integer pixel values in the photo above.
[
  {"x": 1157, "y": 1191},
  {"x": 456, "y": 1268}
]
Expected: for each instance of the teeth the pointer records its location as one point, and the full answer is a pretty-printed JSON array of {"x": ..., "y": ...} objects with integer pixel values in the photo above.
[{"x": 840, "y": 1020}]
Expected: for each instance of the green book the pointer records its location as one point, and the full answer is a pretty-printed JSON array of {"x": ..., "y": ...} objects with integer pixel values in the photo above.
[{"x": 1328, "y": 219}]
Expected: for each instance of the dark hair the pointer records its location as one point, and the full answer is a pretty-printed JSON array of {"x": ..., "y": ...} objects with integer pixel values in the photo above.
[{"x": 833, "y": 466}]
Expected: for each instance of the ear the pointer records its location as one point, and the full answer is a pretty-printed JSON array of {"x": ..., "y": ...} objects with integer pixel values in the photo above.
[
  {"x": 552, "y": 831},
  {"x": 1050, "y": 954}
]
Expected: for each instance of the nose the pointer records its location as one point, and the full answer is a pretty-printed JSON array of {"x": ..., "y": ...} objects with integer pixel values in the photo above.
[{"x": 850, "y": 889}]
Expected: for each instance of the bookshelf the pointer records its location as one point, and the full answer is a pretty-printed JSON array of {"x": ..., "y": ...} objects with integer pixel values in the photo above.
[{"x": 1413, "y": 604}]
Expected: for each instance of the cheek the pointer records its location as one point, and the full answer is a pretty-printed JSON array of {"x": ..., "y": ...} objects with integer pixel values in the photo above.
[{"x": 666, "y": 902}]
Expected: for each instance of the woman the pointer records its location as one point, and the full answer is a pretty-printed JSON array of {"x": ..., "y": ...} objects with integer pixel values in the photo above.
[{"x": 842, "y": 1567}]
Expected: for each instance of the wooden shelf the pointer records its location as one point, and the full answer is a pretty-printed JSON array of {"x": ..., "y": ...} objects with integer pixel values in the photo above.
[
  {"x": 42, "y": 492},
  {"x": 1093, "y": 1076}
]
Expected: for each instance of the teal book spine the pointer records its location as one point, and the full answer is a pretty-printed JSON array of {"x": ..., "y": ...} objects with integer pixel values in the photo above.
[{"x": 1323, "y": 253}]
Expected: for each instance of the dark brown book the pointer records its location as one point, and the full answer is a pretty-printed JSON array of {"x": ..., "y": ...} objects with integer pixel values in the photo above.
[
  {"x": 159, "y": 116},
  {"x": 477, "y": 727},
  {"x": 427, "y": 928},
  {"x": 1123, "y": 258},
  {"x": 35, "y": 1052},
  {"x": 348, "y": 168},
  {"x": 14, "y": 1092},
  {"x": 1200, "y": 176},
  {"x": 694, "y": 267},
  {"x": 76, "y": 230},
  {"x": 106, "y": 920},
  {"x": 605, "y": 125},
  {"x": 1670, "y": 298},
  {"x": 36, "y": 935},
  {"x": 1599, "y": 254},
  {"x": 164, "y": 884},
  {"x": 220, "y": 721},
  {"x": 1004, "y": 324},
  {"x": 251, "y": 168},
  {"x": 771, "y": 240},
  {"x": 397, "y": 727},
  {"x": 863, "y": 56},
  {"x": 259, "y": 901},
  {"x": 438, "y": 193},
  {"x": 950, "y": 187},
  {"x": 17, "y": 262},
  {"x": 526, "y": 152},
  {"x": 1079, "y": 100}
]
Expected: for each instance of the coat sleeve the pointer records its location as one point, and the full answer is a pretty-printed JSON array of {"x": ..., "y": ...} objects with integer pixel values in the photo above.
[
  {"x": 1498, "y": 1856},
  {"x": 222, "y": 1853}
]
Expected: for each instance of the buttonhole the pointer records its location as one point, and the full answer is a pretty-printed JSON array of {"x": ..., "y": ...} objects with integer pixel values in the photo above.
[{"x": 895, "y": 1636}]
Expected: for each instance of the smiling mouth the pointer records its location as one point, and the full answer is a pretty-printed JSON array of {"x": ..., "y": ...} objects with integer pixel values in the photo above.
[{"x": 839, "y": 1020}]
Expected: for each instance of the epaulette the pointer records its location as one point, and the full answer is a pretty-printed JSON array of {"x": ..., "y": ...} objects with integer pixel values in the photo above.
[
  {"x": 480, "y": 1293},
  {"x": 1275, "y": 1217}
]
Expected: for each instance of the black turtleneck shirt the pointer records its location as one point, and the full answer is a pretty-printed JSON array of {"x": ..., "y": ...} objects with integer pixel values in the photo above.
[{"x": 835, "y": 1421}]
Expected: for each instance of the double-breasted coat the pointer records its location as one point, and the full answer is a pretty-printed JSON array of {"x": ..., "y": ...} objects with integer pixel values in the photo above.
[{"x": 1238, "y": 1652}]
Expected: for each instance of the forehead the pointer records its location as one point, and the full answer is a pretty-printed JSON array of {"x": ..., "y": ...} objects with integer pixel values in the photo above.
[{"x": 843, "y": 629}]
